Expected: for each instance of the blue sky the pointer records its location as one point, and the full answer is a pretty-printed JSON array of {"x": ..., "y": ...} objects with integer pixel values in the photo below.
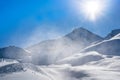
[{"x": 26, "y": 22}]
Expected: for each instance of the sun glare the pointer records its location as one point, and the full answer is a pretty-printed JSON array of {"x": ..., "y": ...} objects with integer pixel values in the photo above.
[{"x": 93, "y": 8}]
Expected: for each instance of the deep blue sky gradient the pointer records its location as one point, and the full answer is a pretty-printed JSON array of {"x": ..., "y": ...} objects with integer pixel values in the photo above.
[{"x": 19, "y": 19}]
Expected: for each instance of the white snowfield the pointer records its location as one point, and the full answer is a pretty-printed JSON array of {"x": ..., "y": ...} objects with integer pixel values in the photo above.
[
  {"x": 4, "y": 62},
  {"x": 105, "y": 68},
  {"x": 81, "y": 58}
]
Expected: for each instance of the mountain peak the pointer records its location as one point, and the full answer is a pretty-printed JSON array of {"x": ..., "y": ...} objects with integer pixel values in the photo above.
[
  {"x": 82, "y": 33},
  {"x": 79, "y": 32},
  {"x": 112, "y": 33},
  {"x": 80, "y": 29}
]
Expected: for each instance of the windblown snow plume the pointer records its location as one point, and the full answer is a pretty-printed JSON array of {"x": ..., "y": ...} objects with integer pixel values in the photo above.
[
  {"x": 81, "y": 58},
  {"x": 49, "y": 51}
]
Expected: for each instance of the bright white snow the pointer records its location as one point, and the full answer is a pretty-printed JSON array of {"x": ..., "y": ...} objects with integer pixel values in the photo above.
[{"x": 105, "y": 68}]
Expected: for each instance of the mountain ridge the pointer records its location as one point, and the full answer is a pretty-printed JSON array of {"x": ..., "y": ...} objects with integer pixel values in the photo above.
[
  {"x": 49, "y": 51},
  {"x": 112, "y": 33}
]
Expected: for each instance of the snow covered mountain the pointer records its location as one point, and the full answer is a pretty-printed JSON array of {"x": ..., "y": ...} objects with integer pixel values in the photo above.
[
  {"x": 13, "y": 52},
  {"x": 96, "y": 58},
  {"x": 107, "y": 47},
  {"x": 112, "y": 33},
  {"x": 52, "y": 50}
]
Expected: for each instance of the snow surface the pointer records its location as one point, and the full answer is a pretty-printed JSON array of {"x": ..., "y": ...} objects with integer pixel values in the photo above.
[
  {"x": 106, "y": 47},
  {"x": 81, "y": 58},
  {"x": 107, "y": 68},
  {"x": 116, "y": 37},
  {"x": 7, "y": 61}
]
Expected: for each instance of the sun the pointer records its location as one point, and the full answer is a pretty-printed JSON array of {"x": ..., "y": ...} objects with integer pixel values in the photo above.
[{"x": 92, "y": 8}]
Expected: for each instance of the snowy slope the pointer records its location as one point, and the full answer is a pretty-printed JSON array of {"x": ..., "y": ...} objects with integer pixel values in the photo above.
[
  {"x": 20, "y": 72},
  {"x": 81, "y": 58},
  {"x": 112, "y": 33},
  {"x": 116, "y": 37},
  {"x": 111, "y": 46},
  {"x": 61, "y": 72},
  {"x": 112, "y": 62},
  {"x": 27, "y": 75},
  {"x": 107, "y": 47},
  {"x": 7, "y": 61},
  {"x": 12, "y": 70}
]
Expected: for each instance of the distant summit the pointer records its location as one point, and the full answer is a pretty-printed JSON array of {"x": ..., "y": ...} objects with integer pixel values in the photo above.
[
  {"x": 112, "y": 33},
  {"x": 13, "y": 52},
  {"x": 80, "y": 30}
]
